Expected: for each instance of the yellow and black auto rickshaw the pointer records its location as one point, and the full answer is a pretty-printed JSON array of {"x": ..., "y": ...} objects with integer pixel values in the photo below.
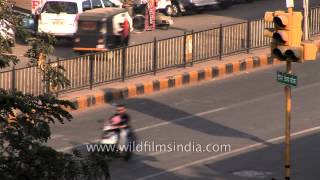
[{"x": 102, "y": 29}]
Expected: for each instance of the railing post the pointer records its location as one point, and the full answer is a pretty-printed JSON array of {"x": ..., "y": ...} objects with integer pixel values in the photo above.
[
  {"x": 91, "y": 61},
  {"x": 184, "y": 48},
  {"x": 13, "y": 78},
  {"x": 48, "y": 80},
  {"x": 124, "y": 63},
  {"x": 192, "y": 59},
  {"x": 248, "y": 36},
  {"x": 220, "y": 41},
  {"x": 155, "y": 57},
  {"x": 58, "y": 86},
  {"x": 44, "y": 83}
]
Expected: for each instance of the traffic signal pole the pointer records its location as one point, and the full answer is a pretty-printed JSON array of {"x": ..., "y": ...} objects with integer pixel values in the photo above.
[
  {"x": 287, "y": 45},
  {"x": 287, "y": 90}
]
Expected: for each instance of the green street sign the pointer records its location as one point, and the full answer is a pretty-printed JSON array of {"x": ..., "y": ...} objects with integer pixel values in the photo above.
[{"x": 287, "y": 79}]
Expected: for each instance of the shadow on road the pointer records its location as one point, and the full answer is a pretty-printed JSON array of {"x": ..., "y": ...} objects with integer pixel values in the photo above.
[
  {"x": 271, "y": 159},
  {"x": 265, "y": 163},
  {"x": 170, "y": 114}
]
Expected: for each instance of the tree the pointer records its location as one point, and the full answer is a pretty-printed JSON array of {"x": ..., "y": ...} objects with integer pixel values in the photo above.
[{"x": 25, "y": 120}]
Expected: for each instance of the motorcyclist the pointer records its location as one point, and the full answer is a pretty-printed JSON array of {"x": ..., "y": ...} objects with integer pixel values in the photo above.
[
  {"x": 123, "y": 120},
  {"x": 119, "y": 122}
]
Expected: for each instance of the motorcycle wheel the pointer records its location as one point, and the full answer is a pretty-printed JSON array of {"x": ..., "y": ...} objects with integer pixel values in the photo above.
[{"x": 127, "y": 156}]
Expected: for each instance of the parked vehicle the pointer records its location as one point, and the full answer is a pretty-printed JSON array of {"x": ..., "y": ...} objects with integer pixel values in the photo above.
[
  {"x": 60, "y": 17},
  {"x": 100, "y": 29},
  {"x": 163, "y": 6},
  {"x": 93, "y": 4},
  {"x": 28, "y": 23},
  {"x": 246, "y": 1},
  {"x": 162, "y": 21},
  {"x": 7, "y": 31},
  {"x": 186, "y": 6}
]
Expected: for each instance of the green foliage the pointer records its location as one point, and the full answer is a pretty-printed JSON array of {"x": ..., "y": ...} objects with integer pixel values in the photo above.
[
  {"x": 6, "y": 12},
  {"x": 25, "y": 120},
  {"x": 54, "y": 75},
  {"x": 41, "y": 43}
]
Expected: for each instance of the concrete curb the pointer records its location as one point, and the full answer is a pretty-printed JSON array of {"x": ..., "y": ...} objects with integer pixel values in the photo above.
[{"x": 192, "y": 77}]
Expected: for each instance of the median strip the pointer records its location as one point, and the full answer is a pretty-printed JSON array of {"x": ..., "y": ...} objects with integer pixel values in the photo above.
[{"x": 178, "y": 80}]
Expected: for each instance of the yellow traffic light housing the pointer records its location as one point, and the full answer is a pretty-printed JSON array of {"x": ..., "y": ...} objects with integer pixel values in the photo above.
[
  {"x": 310, "y": 51},
  {"x": 286, "y": 35}
]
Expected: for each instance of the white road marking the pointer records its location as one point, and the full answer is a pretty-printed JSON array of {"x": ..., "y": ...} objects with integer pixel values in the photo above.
[
  {"x": 201, "y": 113},
  {"x": 180, "y": 119},
  {"x": 55, "y": 136},
  {"x": 239, "y": 150}
]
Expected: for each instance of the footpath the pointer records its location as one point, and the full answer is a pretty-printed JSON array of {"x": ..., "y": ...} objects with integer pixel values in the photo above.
[{"x": 172, "y": 78}]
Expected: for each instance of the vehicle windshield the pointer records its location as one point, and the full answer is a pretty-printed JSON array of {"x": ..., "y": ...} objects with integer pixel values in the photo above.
[
  {"x": 60, "y": 7},
  {"x": 108, "y": 3}
]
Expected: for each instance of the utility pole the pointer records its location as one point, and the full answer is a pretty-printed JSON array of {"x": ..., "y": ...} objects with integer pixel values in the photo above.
[{"x": 306, "y": 19}]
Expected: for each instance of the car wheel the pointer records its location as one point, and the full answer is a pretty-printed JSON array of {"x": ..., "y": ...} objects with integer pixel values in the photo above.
[
  {"x": 175, "y": 10},
  {"x": 225, "y": 4},
  {"x": 169, "y": 10}
]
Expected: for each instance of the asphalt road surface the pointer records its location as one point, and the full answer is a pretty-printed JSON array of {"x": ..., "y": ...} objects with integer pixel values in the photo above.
[
  {"x": 244, "y": 111},
  {"x": 207, "y": 19}
]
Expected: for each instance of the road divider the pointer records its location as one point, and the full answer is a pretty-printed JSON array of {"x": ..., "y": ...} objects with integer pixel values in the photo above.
[{"x": 186, "y": 78}]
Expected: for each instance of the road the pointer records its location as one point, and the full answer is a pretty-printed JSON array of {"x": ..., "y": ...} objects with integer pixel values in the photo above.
[
  {"x": 244, "y": 111},
  {"x": 208, "y": 19}
]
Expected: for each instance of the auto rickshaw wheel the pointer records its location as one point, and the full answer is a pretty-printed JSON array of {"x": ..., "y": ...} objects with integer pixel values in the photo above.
[
  {"x": 164, "y": 26},
  {"x": 81, "y": 52},
  {"x": 138, "y": 23}
]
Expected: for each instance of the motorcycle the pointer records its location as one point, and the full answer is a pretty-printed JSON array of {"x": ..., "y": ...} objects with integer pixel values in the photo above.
[
  {"x": 162, "y": 21},
  {"x": 119, "y": 140}
]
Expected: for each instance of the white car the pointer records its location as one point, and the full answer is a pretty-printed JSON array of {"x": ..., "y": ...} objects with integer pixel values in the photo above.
[
  {"x": 7, "y": 31},
  {"x": 60, "y": 17}
]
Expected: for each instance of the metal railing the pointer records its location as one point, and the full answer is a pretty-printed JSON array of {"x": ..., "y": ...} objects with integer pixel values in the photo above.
[{"x": 89, "y": 70}]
